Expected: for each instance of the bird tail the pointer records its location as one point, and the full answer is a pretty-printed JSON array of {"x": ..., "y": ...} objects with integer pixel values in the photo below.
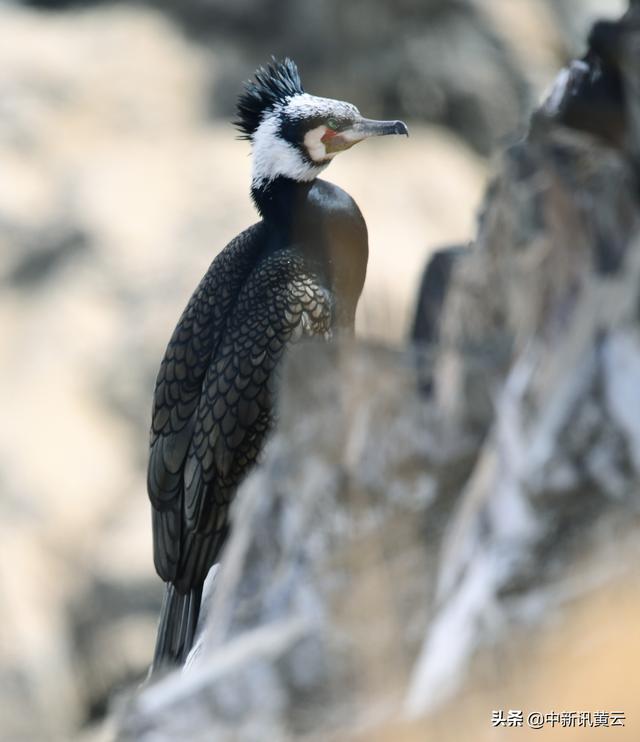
[{"x": 176, "y": 630}]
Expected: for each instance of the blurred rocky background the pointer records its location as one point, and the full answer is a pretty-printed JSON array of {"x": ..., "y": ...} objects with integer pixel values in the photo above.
[{"x": 120, "y": 178}]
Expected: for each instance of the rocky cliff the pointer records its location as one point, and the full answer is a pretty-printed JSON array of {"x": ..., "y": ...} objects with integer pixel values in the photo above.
[
  {"x": 433, "y": 519},
  {"x": 119, "y": 182}
]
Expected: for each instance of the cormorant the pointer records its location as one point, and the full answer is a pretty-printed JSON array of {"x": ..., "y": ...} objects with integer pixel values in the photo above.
[{"x": 298, "y": 272}]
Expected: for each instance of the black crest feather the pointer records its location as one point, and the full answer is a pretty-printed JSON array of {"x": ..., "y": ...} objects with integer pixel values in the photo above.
[{"x": 271, "y": 85}]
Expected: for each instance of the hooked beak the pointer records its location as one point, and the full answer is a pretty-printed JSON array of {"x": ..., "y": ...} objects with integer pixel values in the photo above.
[{"x": 362, "y": 129}]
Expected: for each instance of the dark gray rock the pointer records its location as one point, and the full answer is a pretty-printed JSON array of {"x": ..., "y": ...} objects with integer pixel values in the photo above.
[
  {"x": 431, "y": 295},
  {"x": 40, "y": 254}
]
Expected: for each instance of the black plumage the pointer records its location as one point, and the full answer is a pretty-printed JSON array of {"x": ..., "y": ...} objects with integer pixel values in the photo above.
[
  {"x": 271, "y": 84},
  {"x": 297, "y": 273}
]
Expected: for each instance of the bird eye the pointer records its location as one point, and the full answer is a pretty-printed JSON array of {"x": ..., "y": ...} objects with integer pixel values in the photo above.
[{"x": 333, "y": 124}]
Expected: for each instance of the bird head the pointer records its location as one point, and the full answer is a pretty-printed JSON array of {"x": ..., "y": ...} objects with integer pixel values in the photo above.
[{"x": 296, "y": 135}]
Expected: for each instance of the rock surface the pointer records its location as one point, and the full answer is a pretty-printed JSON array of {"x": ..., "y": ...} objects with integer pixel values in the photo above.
[{"x": 395, "y": 546}]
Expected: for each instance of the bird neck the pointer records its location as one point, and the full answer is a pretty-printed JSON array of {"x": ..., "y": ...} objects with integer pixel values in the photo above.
[{"x": 275, "y": 200}]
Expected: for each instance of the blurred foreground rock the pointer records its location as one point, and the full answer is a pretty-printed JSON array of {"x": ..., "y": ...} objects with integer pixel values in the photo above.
[{"x": 399, "y": 551}]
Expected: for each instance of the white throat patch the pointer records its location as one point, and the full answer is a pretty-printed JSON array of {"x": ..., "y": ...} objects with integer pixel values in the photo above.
[{"x": 273, "y": 156}]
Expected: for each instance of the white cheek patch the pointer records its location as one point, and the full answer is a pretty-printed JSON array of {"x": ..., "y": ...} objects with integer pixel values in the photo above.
[
  {"x": 272, "y": 156},
  {"x": 315, "y": 146}
]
